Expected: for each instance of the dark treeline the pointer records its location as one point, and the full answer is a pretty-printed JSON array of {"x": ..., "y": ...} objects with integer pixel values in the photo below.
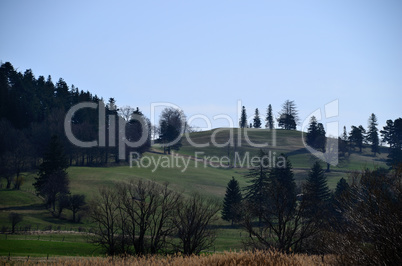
[
  {"x": 32, "y": 110},
  {"x": 361, "y": 221}
]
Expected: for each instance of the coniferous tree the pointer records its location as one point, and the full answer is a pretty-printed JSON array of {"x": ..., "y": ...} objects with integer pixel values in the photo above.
[
  {"x": 316, "y": 192},
  {"x": 243, "y": 118},
  {"x": 392, "y": 134},
  {"x": 257, "y": 120},
  {"x": 356, "y": 137},
  {"x": 282, "y": 188},
  {"x": 342, "y": 143},
  {"x": 256, "y": 192},
  {"x": 344, "y": 134},
  {"x": 339, "y": 205},
  {"x": 269, "y": 119},
  {"x": 288, "y": 117},
  {"x": 52, "y": 178},
  {"x": 231, "y": 202},
  {"x": 372, "y": 134},
  {"x": 282, "y": 225},
  {"x": 316, "y": 135}
]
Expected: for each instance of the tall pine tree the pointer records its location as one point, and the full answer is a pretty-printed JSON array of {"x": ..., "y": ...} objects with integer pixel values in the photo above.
[
  {"x": 392, "y": 134},
  {"x": 269, "y": 119},
  {"x": 316, "y": 135},
  {"x": 256, "y": 192},
  {"x": 257, "y": 120},
  {"x": 231, "y": 202},
  {"x": 356, "y": 137},
  {"x": 243, "y": 118},
  {"x": 289, "y": 116},
  {"x": 52, "y": 178},
  {"x": 316, "y": 192},
  {"x": 372, "y": 134}
]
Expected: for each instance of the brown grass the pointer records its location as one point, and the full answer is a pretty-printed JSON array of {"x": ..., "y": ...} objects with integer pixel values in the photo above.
[{"x": 227, "y": 258}]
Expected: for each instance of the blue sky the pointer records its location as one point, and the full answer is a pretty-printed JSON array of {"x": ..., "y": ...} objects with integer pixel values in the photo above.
[{"x": 205, "y": 56}]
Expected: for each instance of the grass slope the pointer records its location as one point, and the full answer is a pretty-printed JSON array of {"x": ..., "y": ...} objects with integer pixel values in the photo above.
[{"x": 197, "y": 176}]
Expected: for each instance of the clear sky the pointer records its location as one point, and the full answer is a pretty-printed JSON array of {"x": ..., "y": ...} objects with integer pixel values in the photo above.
[{"x": 205, "y": 56}]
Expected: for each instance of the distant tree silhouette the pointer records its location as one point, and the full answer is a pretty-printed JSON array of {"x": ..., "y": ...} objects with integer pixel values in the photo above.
[
  {"x": 77, "y": 202},
  {"x": 256, "y": 191},
  {"x": 232, "y": 201},
  {"x": 288, "y": 117},
  {"x": 392, "y": 134},
  {"x": 316, "y": 135},
  {"x": 269, "y": 119},
  {"x": 243, "y": 118},
  {"x": 356, "y": 137},
  {"x": 257, "y": 120},
  {"x": 372, "y": 134},
  {"x": 316, "y": 192},
  {"x": 172, "y": 122},
  {"x": 15, "y": 218},
  {"x": 52, "y": 177},
  {"x": 339, "y": 201}
]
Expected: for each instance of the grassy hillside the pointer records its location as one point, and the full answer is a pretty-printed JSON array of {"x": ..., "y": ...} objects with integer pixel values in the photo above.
[
  {"x": 289, "y": 142},
  {"x": 184, "y": 172}
]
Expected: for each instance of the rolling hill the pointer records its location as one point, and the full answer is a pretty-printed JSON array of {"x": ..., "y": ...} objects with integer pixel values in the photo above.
[{"x": 191, "y": 169}]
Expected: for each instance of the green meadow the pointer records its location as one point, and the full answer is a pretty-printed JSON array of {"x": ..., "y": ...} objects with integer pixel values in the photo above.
[{"x": 40, "y": 234}]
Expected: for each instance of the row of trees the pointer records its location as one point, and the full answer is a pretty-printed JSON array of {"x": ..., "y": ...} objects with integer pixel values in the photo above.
[
  {"x": 274, "y": 211},
  {"x": 288, "y": 117},
  {"x": 361, "y": 222},
  {"x": 358, "y": 137},
  {"x": 143, "y": 217},
  {"x": 391, "y": 135},
  {"x": 32, "y": 110}
]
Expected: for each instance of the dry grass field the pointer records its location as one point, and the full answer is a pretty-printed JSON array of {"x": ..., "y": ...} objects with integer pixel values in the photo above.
[{"x": 227, "y": 258}]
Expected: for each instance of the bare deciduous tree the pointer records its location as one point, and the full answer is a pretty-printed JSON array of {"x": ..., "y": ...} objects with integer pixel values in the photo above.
[
  {"x": 372, "y": 231},
  {"x": 125, "y": 112},
  {"x": 104, "y": 212},
  {"x": 142, "y": 217},
  {"x": 193, "y": 224}
]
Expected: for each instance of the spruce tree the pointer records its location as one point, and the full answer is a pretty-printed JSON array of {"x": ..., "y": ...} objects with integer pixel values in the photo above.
[
  {"x": 256, "y": 192},
  {"x": 52, "y": 178},
  {"x": 372, "y": 134},
  {"x": 282, "y": 190},
  {"x": 316, "y": 191},
  {"x": 232, "y": 202},
  {"x": 339, "y": 202},
  {"x": 269, "y": 119},
  {"x": 243, "y": 118},
  {"x": 344, "y": 134},
  {"x": 316, "y": 135},
  {"x": 392, "y": 134},
  {"x": 257, "y": 120},
  {"x": 289, "y": 116},
  {"x": 356, "y": 137}
]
